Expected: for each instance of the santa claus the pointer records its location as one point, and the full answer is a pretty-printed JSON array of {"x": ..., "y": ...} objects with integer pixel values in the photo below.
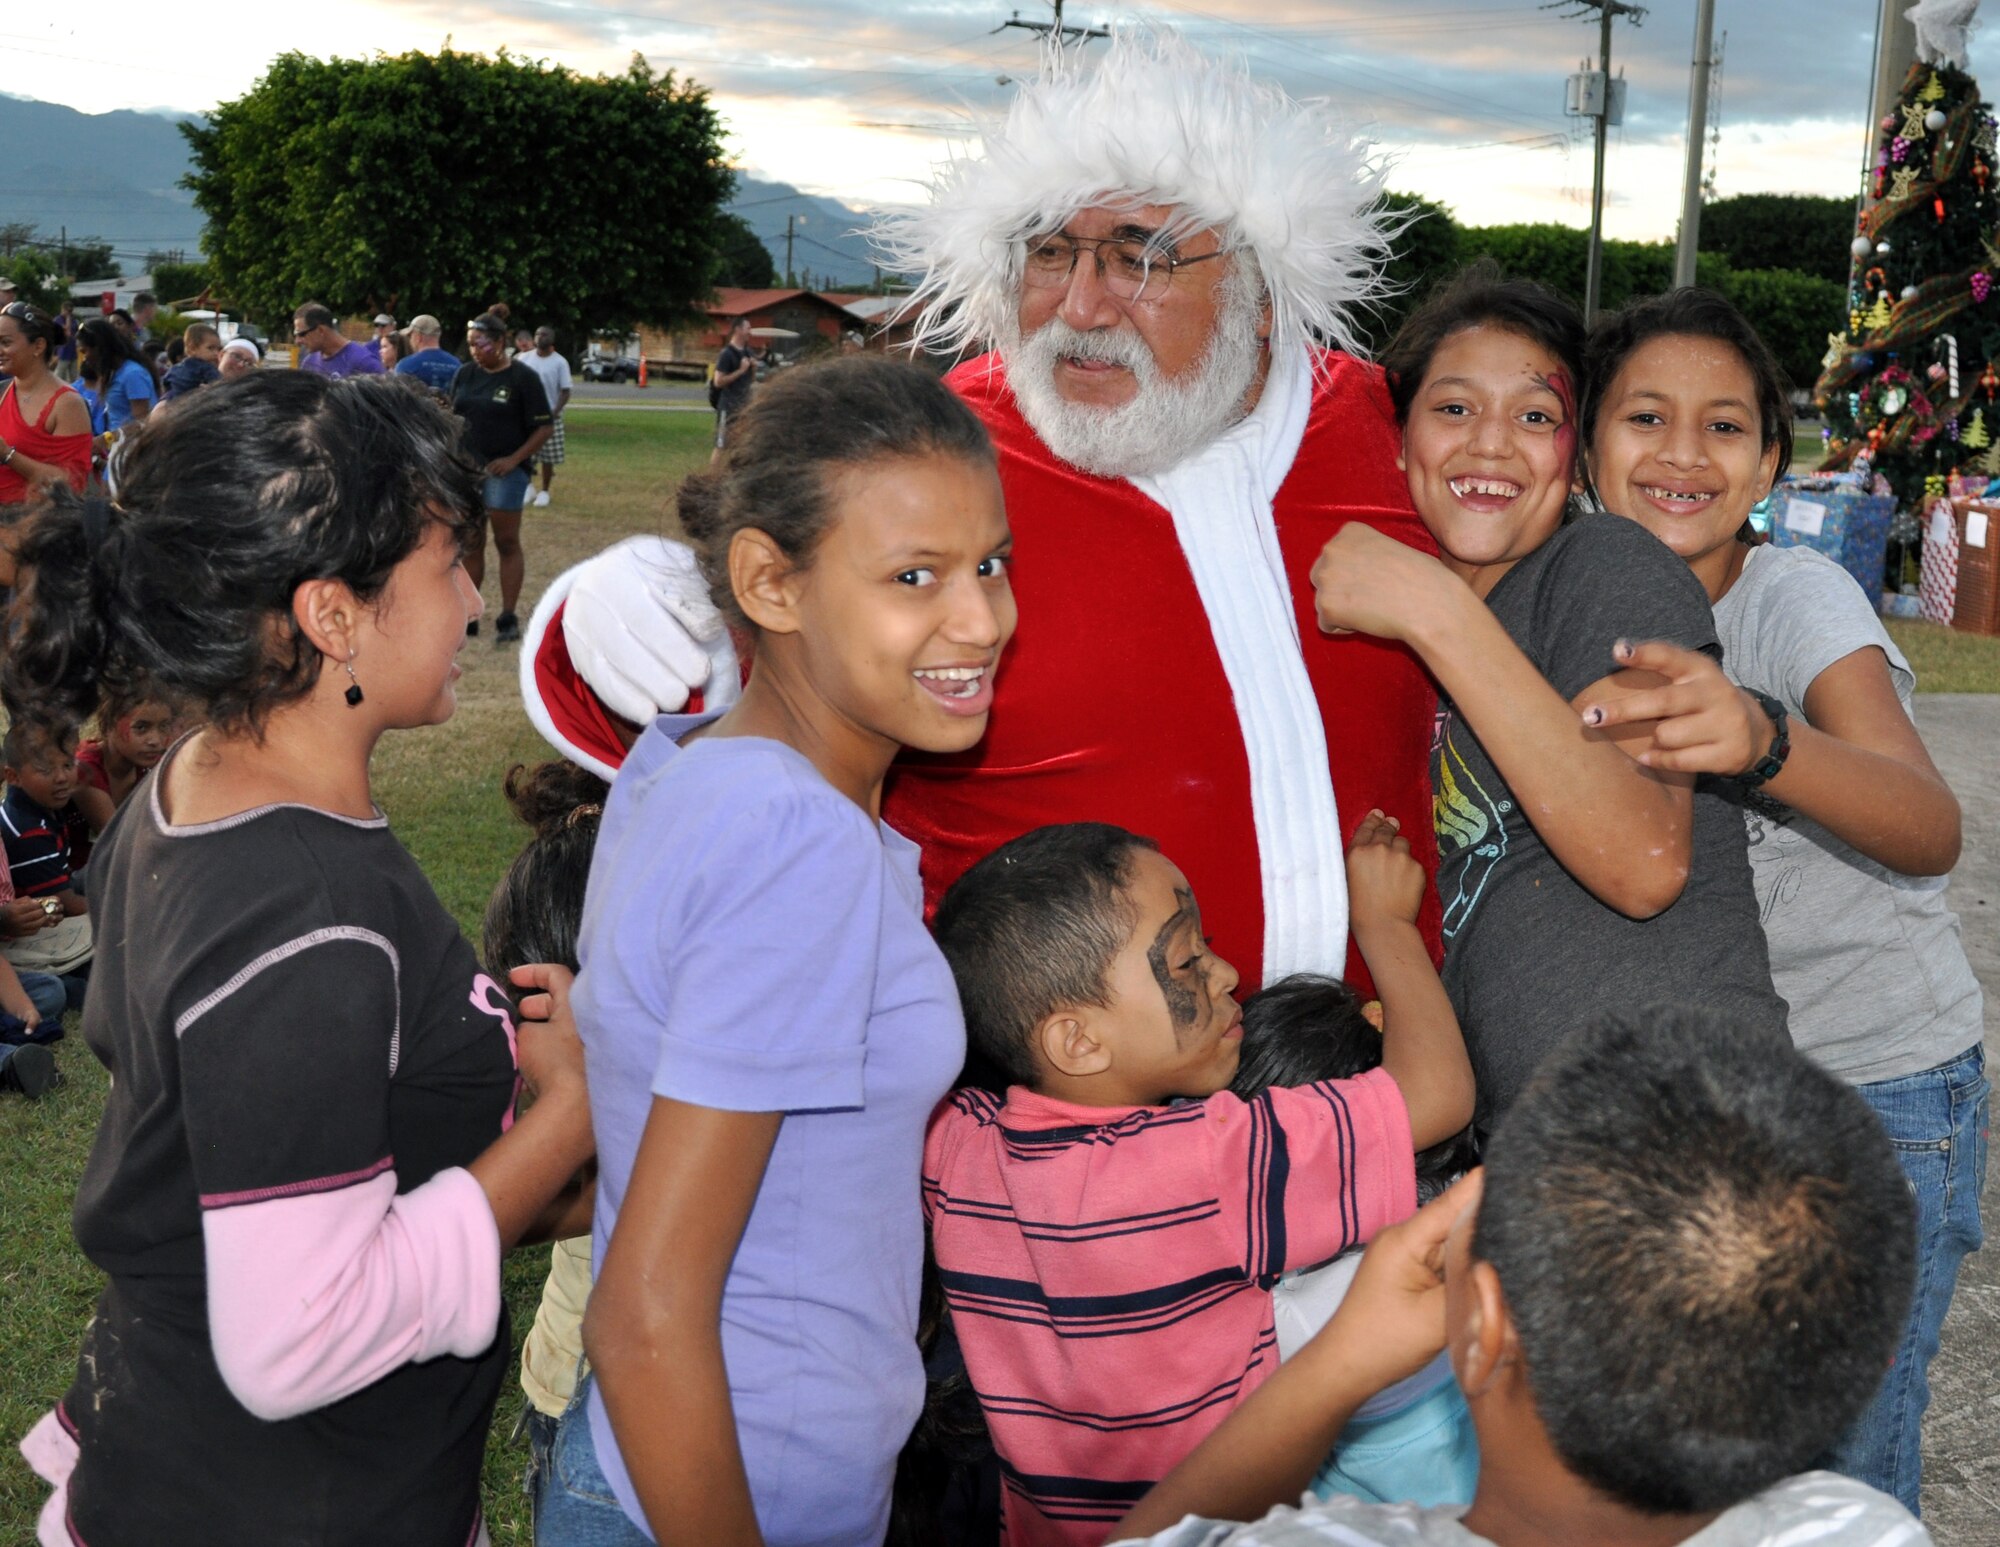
[{"x": 1159, "y": 251}]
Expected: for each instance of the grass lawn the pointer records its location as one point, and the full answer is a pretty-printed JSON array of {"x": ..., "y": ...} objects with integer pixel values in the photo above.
[{"x": 441, "y": 788}]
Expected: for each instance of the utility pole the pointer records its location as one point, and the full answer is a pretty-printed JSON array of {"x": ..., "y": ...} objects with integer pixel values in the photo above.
[
  {"x": 1704, "y": 61},
  {"x": 788, "y": 245},
  {"x": 1606, "y": 105},
  {"x": 1895, "y": 52},
  {"x": 1055, "y": 28}
]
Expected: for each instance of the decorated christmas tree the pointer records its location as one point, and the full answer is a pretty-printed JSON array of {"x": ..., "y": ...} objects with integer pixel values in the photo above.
[{"x": 1911, "y": 383}]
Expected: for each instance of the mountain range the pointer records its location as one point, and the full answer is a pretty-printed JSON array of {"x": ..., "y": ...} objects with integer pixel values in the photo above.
[{"x": 115, "y": 176}]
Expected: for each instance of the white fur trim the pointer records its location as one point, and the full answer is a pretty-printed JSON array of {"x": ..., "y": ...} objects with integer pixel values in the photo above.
[
  {"x": 1220, "y": 499},
  {"x": 531, "y": 693},
  {"x": 1154, "y": 122}
]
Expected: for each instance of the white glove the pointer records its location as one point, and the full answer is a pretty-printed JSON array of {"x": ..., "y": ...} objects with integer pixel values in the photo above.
[{"x": 643, "y": 633}]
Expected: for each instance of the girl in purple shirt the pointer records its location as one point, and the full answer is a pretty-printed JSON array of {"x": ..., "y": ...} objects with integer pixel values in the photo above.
[{"x": 766, "y": 1021}]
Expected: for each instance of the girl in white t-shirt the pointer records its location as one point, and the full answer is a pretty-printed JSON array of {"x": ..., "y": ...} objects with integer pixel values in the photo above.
[{"x": 1851, "y": 828}]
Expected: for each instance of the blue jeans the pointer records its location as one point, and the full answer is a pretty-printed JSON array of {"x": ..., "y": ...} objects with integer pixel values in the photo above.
[
  {"x": 508, "y": 491},
  {"x": 573, "y": 1502},
  {"x": 48, "y": 993},
  {"x": 1937, "y": 1121}
]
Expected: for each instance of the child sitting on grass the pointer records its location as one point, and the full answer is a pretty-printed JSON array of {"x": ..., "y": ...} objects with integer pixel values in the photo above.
[
  {"x": 1680, "y": 1281},
  {"x": 1108, "y": 1258},
  {"x": 136, "y": 729},
  {"x": 37, "y": 816}
]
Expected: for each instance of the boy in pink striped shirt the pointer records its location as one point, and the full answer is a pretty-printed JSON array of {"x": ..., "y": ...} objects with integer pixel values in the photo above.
[{"x": 1108, "y": 1258}]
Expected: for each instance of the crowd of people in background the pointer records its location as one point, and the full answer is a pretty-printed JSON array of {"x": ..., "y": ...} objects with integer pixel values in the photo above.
[{"x": 70, "y": 390}]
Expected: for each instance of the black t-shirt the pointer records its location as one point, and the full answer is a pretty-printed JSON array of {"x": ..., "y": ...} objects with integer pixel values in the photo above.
[
  {"x": 736, "y": 393},
  {"x": 283, "y": 1003},
  {"x": 1529, "y": 953},
  {"x": 501, "y": 409}
]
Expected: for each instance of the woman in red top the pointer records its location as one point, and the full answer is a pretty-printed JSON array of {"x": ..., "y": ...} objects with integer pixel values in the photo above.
[{"x": 44, "y": 425}]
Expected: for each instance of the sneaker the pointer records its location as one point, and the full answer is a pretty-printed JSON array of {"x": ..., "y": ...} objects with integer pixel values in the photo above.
[
  {"x": 472, "y": 629},
  {"x": 31, "y": 1071},
  {"x": 506, "y": 629},
  {"x": 542, "y": 497}
]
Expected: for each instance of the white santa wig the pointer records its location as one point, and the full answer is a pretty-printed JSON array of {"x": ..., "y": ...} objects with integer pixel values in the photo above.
[{"x": 1284, "y": 180}]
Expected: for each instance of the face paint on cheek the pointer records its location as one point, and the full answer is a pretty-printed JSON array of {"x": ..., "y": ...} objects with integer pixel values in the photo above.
[
  {"x": 1182, "y": 1004},
  {"x": 1559, "y": 383}
]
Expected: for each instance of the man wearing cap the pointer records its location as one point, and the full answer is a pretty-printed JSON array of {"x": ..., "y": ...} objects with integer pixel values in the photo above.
[
  {"x": 326, "y": 351},
  {"x": 240, "y": 357},
  {"x": 431, "y": 365},
  {"x": 384, "y": 325}
]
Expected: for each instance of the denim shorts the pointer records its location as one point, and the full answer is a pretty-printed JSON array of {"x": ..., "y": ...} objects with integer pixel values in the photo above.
[
  {"x": 572, "y": 1498},
  {"x": 1937, "y": 1121},
  {"x": 508, "y": 492}
]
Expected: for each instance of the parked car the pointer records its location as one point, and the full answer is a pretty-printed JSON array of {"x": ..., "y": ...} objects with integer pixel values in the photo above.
[{"x": 611, "y": 368}]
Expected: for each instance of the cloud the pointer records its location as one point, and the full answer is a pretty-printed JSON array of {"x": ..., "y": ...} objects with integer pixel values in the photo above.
[{"x": 858, "y": 99}]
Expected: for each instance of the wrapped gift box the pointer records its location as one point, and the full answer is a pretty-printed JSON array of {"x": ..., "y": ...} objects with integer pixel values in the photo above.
[
  {"x": 1845, "y": 523},
  {"x": 1976, "y": 606}
]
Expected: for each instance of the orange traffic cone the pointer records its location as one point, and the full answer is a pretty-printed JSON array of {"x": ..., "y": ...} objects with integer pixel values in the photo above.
[{"x": 642, "y": 370}]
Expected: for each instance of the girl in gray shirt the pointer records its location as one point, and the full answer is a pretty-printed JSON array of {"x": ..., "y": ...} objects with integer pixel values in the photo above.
[{"x": 1851, "y": 828}]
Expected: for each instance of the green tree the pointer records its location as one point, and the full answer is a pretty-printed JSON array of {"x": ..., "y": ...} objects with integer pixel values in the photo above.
[
  {"x": 1790, "y": 312},
  {"x": 1425, "y": 250},
  {"x": 179, "y": 281},
  {"x": 1780, "y": 231},
  {"x": 35, "y": 279},
  {"x": 1921, "y": 292},
  {"x": 441, "y": 182},
  {"x": 743, "y": 259}
]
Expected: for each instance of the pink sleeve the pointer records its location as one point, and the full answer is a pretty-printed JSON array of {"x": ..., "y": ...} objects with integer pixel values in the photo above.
[
  {"x": 1311, "y": 1171},
  {"x": 315, "y": 1295}
]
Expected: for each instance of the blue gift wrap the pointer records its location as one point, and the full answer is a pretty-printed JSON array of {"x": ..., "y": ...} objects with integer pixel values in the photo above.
[{"x": 1847, "y": 524}]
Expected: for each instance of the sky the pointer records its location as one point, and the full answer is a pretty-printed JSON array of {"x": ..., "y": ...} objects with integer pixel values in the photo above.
[{"x": 857, "y": 99}]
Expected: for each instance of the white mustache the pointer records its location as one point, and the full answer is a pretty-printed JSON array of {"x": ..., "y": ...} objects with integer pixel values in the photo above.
[{"x": 1056, "y": 340}]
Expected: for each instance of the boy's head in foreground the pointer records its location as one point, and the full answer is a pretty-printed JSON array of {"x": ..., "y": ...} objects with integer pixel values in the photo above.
[
  {"x": 1688, "y": 1268},
  {"x": 1080, "y": 960},
  {"x": 41, "y": 760}
]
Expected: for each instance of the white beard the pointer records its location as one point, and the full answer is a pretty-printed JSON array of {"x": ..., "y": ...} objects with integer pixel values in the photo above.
[{"x": 1167, "y": 419}]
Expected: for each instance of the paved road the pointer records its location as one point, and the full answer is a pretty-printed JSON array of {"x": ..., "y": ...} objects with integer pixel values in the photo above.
[
  {"x": 1962, "y": 1429},
  {"x": 601, "y": 395}
]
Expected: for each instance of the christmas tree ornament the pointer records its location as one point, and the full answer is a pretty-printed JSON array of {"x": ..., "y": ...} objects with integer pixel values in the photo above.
[
  {"x": 1982, "y": 286},
  {"x": 1951, "y": 365},
  {"x": 1861, "y": 247},
  {"x": 1980, "y": 172},
  {"x": 1942, "y": 29},
  {"x": 1882, "y": 248},
  {"x": 1909, "y": 292},
  {"x": 1937, "y": 204},
  {"x": 1952, "y": 429},
  {"x": 1975, "y": 433},
  {"x": 1989, "y": 381},
  {"x": 1899, "y": 150},
  {"x": 1894, "y": 399},
  {"x": 1836, "y": 351},
  {"x": 1853, "y": 405},
  {"x": 1936, "y": 372},
  {"x": 1879, "y": 315},
  {"x": 1854, "y": 320},
  {"x": 1899, "y": 185},
  {"x": 1913, "y": 121},
  {"x": 1934, "y": 120},
  {"x": 1933, "y": 89}
]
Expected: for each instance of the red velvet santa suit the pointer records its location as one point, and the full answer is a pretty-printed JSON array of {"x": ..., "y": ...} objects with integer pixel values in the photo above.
[{"x": 1113, "y": 704}]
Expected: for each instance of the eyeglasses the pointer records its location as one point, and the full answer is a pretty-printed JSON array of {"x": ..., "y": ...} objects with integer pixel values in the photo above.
[
  {"x": 1131, "y": 269},
  {"x": 20, "y": 311}
]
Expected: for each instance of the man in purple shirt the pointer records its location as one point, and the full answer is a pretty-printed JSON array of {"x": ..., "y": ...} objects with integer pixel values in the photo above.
[{"x": 326, "y": 351}]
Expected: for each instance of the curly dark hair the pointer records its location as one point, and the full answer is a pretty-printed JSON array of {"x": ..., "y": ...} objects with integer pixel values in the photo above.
[{"x": 225, "y": 507}]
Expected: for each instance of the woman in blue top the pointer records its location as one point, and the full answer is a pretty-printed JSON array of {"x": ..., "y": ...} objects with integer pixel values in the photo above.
[
  {"x": 128, "y": 387},
  {"x": 767, "y": 1022}
]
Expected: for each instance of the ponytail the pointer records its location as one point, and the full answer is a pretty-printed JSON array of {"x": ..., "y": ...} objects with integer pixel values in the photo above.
[{"x": 537, "y": 909}]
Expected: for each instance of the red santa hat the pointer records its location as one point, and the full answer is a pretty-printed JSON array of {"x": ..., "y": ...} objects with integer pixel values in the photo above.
[{"x": 1153, "y": 121}]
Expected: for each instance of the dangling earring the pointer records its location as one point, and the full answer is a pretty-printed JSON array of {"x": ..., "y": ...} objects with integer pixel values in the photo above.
[{"x": 353, "y": 686}]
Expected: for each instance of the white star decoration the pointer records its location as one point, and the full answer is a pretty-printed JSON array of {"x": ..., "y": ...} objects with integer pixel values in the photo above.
[{"x": 1942, "y": 29}]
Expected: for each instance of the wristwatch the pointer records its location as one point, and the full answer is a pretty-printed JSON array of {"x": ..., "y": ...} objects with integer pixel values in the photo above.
[{"x": 1766, "y": 767}]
